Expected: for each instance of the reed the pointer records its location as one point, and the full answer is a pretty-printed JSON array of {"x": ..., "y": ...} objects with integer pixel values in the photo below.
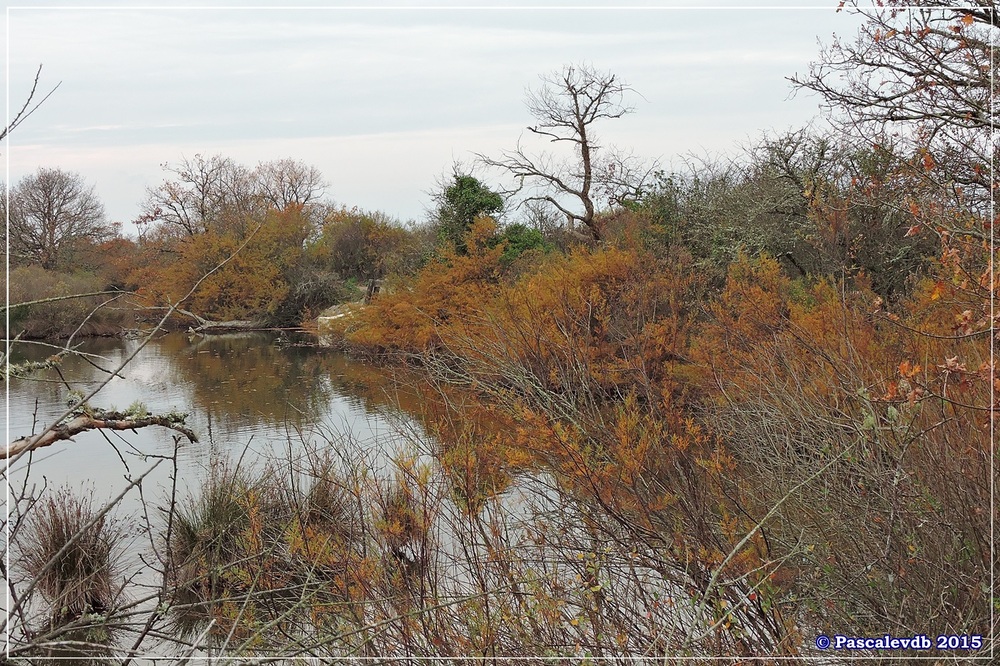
[{"x": 75, "y": 558}]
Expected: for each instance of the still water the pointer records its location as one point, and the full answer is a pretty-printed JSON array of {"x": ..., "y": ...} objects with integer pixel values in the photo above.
[
  {"x": 252, "y": 399},
  {"x": 249, "y": 396}
]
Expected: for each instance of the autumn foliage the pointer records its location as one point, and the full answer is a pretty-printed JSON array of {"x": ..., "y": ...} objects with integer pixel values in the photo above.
[
  {"x": 763, "y": 443},
  {"x": 243, "y": 274},
  {"x": 754, "y": 405},
  {"x": 752, "y": 454}
]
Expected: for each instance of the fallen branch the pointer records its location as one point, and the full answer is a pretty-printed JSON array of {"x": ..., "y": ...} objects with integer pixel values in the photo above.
[
  {"x": 226, "y": 326},
  {"x": 107, "y": 420},
  {"x": 209, "y": 326},
  {"x": 25, "y": 368}
]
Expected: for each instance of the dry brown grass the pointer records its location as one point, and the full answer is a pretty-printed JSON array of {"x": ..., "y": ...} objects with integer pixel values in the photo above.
[{"x": 75, "y": 558}]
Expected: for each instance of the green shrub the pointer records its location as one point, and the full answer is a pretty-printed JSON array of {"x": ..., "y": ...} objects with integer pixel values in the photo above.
[{"x": 521, "y": 239}]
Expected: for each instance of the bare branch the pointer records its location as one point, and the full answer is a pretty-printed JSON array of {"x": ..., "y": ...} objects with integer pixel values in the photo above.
[{"x": 27, "y": 109}]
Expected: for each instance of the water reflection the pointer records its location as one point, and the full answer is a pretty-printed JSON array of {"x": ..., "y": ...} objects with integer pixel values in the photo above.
[
  {"x": 240, "y": 381},
  {"x": 249, "y": 380},
  {"x": 258, "y": 391},
  {"x": 249, "y": 397}
]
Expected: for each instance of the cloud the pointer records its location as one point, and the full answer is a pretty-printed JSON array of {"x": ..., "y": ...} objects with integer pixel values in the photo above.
[
  {"x": 388, "y": 171},
  {"x": 381, "y": 100}
]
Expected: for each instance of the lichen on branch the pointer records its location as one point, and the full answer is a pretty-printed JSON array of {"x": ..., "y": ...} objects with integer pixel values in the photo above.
[{"x": 91, "y": 419}]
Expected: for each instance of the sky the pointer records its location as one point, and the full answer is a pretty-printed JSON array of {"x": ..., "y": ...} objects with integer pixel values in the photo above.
[{"x": 384, "y": 98}]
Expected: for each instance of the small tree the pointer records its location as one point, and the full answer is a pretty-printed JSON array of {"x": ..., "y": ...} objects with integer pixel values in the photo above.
[
  {"x": 289, "y": 182},
  {"x": 567, "y": 106},
  {"x": 202, "y": 193},
  {"x": 49, "y": 211},
  {"x": 460, "y": 203}
]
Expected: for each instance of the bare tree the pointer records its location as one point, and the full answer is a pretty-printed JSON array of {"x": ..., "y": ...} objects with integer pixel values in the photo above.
[
  {"x": 289, "y": 182},
  {"x": 202, "y": 192},
  {"x": 622, "y": 177},
  {"x": 567, "y": 106},
  {"x": 924, "y": 68},
  {"x": 49, "y": 210},
  {"x": 216, "y": 193}
]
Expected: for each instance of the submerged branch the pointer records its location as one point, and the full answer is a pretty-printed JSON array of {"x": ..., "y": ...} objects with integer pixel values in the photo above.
[{"x": 211, "y": 326}]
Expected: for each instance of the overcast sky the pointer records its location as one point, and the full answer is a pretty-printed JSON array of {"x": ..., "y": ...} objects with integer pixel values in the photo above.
[{"x": 383, "y": 99}]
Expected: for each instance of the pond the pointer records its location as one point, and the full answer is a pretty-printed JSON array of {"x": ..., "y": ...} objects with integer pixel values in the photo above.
[
  {"x": 246, "y": 394},
  {"x": 253, "y": 400},
  {"x": 409, "y": 545}
]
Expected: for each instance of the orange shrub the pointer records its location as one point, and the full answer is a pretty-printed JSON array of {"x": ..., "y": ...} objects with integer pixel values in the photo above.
[
  {"x": 448, "y": 289},
  {"x": 250, "y": 285},
  {"x": 863, "y": 434}
]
